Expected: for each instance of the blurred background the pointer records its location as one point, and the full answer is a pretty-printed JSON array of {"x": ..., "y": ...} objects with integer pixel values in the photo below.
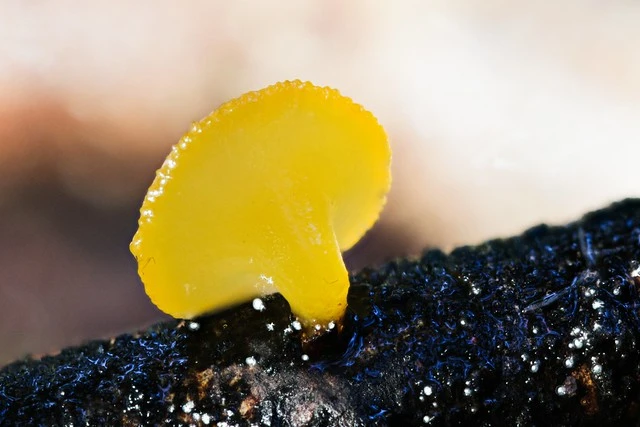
[{"x": 502, "y": 114}]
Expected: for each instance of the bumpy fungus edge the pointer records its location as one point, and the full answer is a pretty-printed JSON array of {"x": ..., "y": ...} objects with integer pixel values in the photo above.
[{"x": 262, "y": 196}]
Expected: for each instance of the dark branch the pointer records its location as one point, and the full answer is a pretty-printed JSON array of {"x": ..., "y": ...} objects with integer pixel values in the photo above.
[{"x": 540, "y": 329}]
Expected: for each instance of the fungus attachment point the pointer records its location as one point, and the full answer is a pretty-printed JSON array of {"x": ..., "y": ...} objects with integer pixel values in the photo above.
[{"x": 262, "y": 196}]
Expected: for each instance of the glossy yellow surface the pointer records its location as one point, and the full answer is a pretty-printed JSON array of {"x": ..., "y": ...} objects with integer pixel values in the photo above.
[{"x": 262, "y": 196}]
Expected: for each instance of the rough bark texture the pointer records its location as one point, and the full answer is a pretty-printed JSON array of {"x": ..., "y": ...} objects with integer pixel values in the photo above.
[{"x": 540, "y": 329}]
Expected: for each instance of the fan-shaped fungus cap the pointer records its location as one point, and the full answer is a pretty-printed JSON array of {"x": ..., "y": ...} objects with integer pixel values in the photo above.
[{"x": 261, "y": 196}]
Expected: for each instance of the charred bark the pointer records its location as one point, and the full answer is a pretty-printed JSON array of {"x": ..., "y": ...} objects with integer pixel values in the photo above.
[{"x": 540, "y": 329}]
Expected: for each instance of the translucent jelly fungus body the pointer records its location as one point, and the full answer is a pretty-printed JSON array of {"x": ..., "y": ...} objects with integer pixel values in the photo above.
[{"x": 262, "y": 196}]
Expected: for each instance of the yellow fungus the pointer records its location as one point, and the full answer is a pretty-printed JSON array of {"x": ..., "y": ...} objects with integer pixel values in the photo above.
[{"x": 262, "y": 196}]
